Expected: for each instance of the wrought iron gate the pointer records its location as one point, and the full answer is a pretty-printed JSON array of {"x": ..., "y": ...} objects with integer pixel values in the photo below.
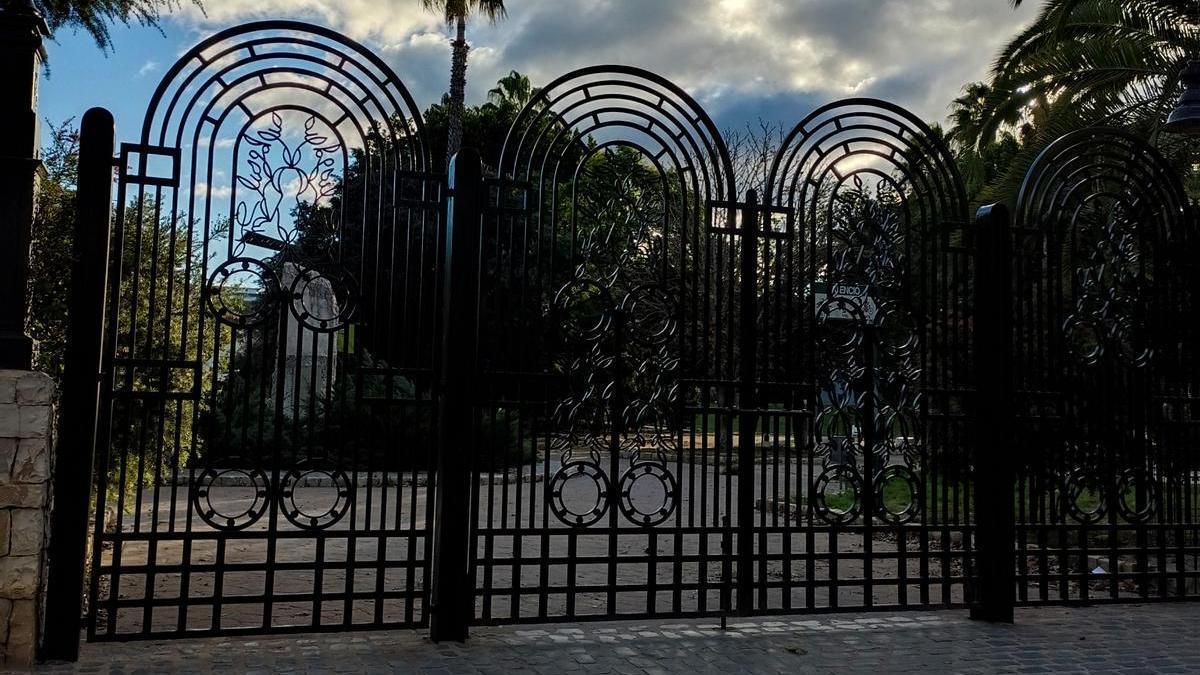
[
  {"x": 266, "y": 419},
  {"x": 638, "y": 392},
  {"x": 693, "y": 405},
  {"x": 609, "y": 277},
  {"x": 863, "y": 371},
  {"x": 1104, "y": 284}
]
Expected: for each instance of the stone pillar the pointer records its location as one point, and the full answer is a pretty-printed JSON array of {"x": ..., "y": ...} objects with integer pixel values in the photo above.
[
  {"x": 26, "y": 438},
  {"x": 21, "y": 56}
]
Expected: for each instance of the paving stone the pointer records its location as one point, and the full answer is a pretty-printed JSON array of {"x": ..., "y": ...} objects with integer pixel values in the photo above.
[{"x": 1127, "y": 639}]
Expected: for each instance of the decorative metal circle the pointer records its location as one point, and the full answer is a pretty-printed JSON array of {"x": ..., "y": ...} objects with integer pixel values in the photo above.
[
  {"x": 329, "y": 511},
  {"x": 1130, "y": 343},
  {"x": 578, "y": 471},
  {"x": 898, "y": 331},
  {"x": 1084, "y": 339},
  {"x": 309, "y": 286},
  {"x": 1080, "y": 484},
  {"x": 651, "y": 313},
  {"x": 664, "y": 483},
  {"x": 840, "y": 320},
  {"x": 1131, "y": 482},
  {"x": 585, "y": 309},
  {"x": 838, "y": 482},
  {"x": 221, "y": 517},
  {"x": 912, "y": 509},
  {"x": 229, "y": 285}
]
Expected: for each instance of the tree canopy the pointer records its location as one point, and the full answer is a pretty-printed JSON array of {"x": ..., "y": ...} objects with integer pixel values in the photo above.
[
  {"x": 95, "y": 17},
  {"x": 1080, "y": 63}
]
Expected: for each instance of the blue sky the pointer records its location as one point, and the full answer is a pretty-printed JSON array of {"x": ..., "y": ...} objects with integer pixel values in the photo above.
[{"x": 743, "y": 59}]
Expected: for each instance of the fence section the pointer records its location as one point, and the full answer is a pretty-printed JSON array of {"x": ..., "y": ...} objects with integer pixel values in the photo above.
[{"x": 617, "y": 387}]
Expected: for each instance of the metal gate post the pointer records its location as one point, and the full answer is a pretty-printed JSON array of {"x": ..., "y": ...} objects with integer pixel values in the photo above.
[
  {"x": 994, "y": 472},
  {"x": 747, "y": 404},
  {"x": 452, "y": 596},
  {"x": 81, "y": 387},
  {"x": 22, "y": 31}
]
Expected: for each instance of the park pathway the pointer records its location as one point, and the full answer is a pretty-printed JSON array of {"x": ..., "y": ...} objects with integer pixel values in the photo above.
[{"x": 1130, "y": 639}]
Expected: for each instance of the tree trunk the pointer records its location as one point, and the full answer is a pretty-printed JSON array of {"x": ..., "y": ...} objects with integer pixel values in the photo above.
[{"x": 458, "y": 87}]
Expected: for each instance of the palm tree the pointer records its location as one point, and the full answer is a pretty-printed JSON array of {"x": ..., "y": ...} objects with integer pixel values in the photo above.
[
  {"x": 512, "y": 92},
  {"x": 1080, "y": 63},
  {"x": 980, "y": 165},
  {"x": 967, "y": 114},
  {"x": 456, "y": 13},
  {"x": 95, "y": 16},
  {"x": 1091, "y": 62}
]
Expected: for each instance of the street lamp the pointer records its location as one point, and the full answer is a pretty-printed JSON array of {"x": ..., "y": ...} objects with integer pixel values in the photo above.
[{"x": 1185, "y": 119}]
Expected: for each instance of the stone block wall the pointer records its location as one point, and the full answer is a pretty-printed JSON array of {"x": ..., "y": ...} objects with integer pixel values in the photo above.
[{"x": 26, "y": 439}]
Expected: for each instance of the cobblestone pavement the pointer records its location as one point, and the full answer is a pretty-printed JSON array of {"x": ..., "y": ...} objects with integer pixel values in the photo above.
[{"x": 1132, "y": 639}]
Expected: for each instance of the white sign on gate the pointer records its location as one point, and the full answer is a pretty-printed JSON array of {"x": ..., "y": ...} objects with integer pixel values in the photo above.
[{"x": 851, "y": 296}]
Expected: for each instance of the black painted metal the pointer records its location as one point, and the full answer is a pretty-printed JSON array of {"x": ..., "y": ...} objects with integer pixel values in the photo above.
[
  {"x": 995, "y": 452},
  {"x": 1104, "y": 292},
  {"x": 748, "y": 398},
  {"x": 609, "y": 306},
  {"x": 22, "y": 31},
  {"x": 748, "y": 401},
  {"x": 267, "y": 418},
  {"x": 864, "y": 368},
  {"x": 651, "y": 399},
  {"x": 80, "y": 398},
  {"x": 451, "y": 606}
]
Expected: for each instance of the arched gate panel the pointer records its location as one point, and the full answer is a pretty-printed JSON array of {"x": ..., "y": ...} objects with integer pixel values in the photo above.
[
  {"x": 607, "y": 278},
  {"x": 1105, "y": 375},
  {"x": 266, "y": 417},
  {"x": 864, "y": 361}
]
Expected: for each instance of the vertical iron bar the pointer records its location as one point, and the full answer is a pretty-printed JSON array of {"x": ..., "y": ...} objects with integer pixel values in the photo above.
[
  {"x": 452, "y": 594},
  {"x": 747, "y": 419},
  {"x": 80, "y": 387},
  {"x": 994, "y": 476},
  {"x": 868, "y": 409}
]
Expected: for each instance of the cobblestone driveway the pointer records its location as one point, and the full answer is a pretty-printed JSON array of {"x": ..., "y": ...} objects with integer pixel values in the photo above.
[{"x": 1132, "y": 639}]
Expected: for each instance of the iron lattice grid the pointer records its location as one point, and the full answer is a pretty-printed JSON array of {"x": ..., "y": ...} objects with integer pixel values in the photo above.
[{"x": 681, "y": 390}]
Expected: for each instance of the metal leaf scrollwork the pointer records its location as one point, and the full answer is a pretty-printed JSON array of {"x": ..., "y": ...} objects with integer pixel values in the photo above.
[
  {"x": 649, "y": 313},
  {"x": 284, "y": 284},
  {"x": 864, "y": 310},
  {"x": 1105, "y": 319},
  {"x": 620, "y": 323},
  {"x": 578, "y": 493},
  {"x": 301, "y": 170}
]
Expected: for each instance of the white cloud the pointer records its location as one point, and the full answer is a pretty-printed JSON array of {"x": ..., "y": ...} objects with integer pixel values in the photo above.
[
  {"x": 739, "y": 57},
  {"x": 217, "y": 191},
  {"x": 148, "y": 68}
]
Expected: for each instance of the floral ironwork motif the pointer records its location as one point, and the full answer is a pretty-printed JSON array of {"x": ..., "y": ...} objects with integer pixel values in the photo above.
[
  {"x": 272, "y": 157},
  {"x": 618, "y": 323},
  {"x": 283, "y": 262},
  {"x": 1104, "y": 223},
  {"x": 1105, "y": 319},
  {"x": 301, "y": 170},
  {"x": 869, "y": 355}
]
